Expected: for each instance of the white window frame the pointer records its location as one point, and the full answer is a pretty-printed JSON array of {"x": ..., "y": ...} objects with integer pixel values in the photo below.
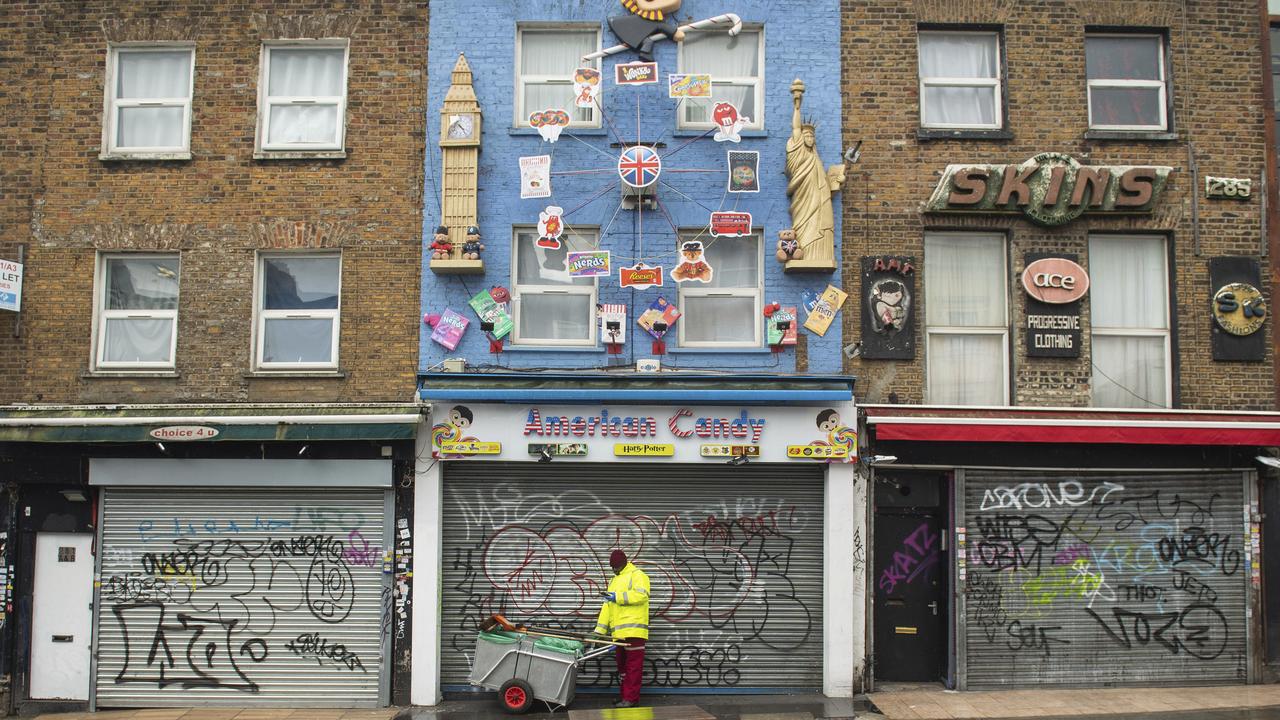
[
  {"x": 697, "y": 289},
  {"x": 757, "y": 83},
  {"x": 521, "y": 119},
  {"x": 996, "y": 82},
  {"x": 1166, "y": 332},
  {"x": 1162, "y": 84},
  {"x": 592, "y": 237},
  {"x": 112, "y": 106},
  {"x": 102, "y": 315},
  {"x": 261, "y": 315},
  {"x": 338, "y": 147},
  {"x": 1003, "y": 332}
]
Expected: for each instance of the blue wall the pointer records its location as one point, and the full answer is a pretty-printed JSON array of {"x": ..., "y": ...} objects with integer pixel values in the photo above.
[{"x": 801, "y": 40}]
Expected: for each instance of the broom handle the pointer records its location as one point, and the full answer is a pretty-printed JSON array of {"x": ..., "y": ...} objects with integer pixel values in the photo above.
[{"x": 570, "y": 637}]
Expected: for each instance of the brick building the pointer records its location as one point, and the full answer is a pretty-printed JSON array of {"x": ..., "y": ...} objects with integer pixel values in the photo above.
[
  {"x": 218, "y": 210},
  {"x": 1058, "y": 221}
]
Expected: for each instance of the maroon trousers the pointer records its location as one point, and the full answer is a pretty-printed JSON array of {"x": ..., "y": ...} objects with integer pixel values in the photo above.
[{"x": 630, "y": 668}]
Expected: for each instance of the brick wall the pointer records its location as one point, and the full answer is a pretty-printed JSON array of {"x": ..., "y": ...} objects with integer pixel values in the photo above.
[
  {"x": 218, "y": 208},
  {"x": 1217, "y": 108}
]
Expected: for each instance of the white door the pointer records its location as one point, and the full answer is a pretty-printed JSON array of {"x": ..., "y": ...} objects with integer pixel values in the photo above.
[{"x": 61, "y": 616}]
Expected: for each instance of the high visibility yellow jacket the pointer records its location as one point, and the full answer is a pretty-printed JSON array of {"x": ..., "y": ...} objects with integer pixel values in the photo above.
[{"x": 628, "y": 616}]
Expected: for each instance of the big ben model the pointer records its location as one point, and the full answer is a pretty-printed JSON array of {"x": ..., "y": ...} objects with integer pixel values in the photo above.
[{"x": 460, "y": 119}]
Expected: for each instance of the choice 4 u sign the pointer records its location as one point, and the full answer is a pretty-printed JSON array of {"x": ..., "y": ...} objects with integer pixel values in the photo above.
[{"x": 10, "y": 285}]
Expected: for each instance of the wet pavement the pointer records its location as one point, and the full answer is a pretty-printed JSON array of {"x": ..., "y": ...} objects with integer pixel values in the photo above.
[{"x": 599, "y": 706}]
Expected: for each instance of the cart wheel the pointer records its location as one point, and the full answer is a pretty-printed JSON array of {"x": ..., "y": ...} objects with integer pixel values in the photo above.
[{"x": 516, "y": 696}]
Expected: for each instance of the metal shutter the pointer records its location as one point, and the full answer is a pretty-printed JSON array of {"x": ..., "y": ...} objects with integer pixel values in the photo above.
[
  {"x": 241, "y": 597},
  {"x": 1105, "y": 579},
  {"x": 733, "y": 555}
]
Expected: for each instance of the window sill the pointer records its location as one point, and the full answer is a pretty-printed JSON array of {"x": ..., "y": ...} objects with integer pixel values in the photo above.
[
  {"x": 260, "y": 374},
  {"x": 963, "y": 134},
  {"x": 127, "y": 156},
  {"x": 135, "y": 374},
  {"x": 589, "y": 131},
  {"x": 299, "y": 154},
  {"x": 1154, "y": 135},
  {"x": 708, "y": 131},
  {"x": 737, "y": 350},
  {"x": 508, "y": 348}
]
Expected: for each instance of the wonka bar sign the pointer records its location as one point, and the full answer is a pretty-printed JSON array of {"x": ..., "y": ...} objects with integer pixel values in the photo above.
[{"x": 1050, "y": 189}]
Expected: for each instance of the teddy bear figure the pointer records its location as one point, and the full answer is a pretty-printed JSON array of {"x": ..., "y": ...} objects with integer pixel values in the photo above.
[
  {"x": 788, "y": 246},
  {"x": 441, "y": 248},
  {"x": 472, "y": 248}
]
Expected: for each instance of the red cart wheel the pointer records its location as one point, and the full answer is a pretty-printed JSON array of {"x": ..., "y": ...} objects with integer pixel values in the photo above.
[{"x": 516, "y": 696}]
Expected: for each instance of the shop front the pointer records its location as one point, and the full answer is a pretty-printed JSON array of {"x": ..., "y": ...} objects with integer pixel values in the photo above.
[
  {"x": 744, "y": 517},
  {"x": 1026, "y": 547}
]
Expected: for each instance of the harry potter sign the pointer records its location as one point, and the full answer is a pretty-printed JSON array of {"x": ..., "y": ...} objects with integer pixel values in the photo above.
[{"x": 1050, "y": 189}]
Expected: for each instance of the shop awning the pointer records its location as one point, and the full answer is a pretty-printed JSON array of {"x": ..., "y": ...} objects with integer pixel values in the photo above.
[
  {"x": 924, "y": 423},
  {"x": 683, "y": 387},
  {"x": 213, "y": 423}
]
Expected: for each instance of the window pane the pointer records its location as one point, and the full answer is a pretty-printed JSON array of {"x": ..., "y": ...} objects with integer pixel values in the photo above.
[
  {"x": 1123, "y": 58},
  {"x": 1129, "y": 371},
  {"x": 303, "y": 124},
  {"x": 142, "y": 284},
  {"x": 305, "y": 72},
  {"x": 719, "y": 319},
  {"x": 966, "y": 369},
  {"x": 546, "y": 266},
  {"x": 950, "y": 105},
  {"x": 965, "y": 283},
  {"x": 721, "y": 55},
  {"x": 297, "y": 340},
  {"x": 958, "y": 55},
  {"x": 555, "y": 317},
  {"x": 1128, "y": 282},
  {"x": 309, "y": 283},
  {"x": 143, "y": 75},
  {"x": 151, "y": 127},
  {"x": 557, "y": 53},
  {"x": 1125, "y": 106},
  {"x": 130, "y": 340},
  {"x": 743, "y": 97},
  {"x": 735, "y": 261},
  {"x": 544, "y": 96}
]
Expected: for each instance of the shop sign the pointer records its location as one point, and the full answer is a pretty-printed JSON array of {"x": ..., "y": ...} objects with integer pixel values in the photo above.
[
  {"x": 816, "y": 452},
  {"x": 726, "y": 451},
  {"x": 182, "y": 433},
  {"x": 10, "y": 285},
  {"x": 558, "y": 449},
  {"x": 1238, "y": 308},
  {"x": 636, "y": 73},
  {"x": 1055, "y": 280},
  {"x": 1050, "y": 188},
  {"x": 470, "y": 447},
  {"x": 644, "y": 449},
  {"x": 888, "y": 307}
]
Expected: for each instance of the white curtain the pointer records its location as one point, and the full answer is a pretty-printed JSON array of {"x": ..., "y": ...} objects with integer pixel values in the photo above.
[
  {"x": 1129, "y": 292},
  {"x": 966, "y": 369},
  {"x": 547, "y": 316},
  {"x": 736, "y": 261},
  {"x": 736, "y": 266},
  {"x": 722, "y": 57},
  {"x": 546, "y": 266},
  {"x": 555, "y": 317},
  {"x": 297, "y": 340},
  {"x": 719, "y": 319},
  {"x": 957, "y": 56},
  {"x": 305, "y": 73},
  {"x": 965, "y": 287},
  {"x": 549, "y": 59},
  {"x": 152, "y": 76},
  {"x": 130, "y": 340}
]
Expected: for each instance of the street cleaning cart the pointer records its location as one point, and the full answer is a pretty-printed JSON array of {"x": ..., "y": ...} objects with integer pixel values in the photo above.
[{"x": 524, "y": 664}]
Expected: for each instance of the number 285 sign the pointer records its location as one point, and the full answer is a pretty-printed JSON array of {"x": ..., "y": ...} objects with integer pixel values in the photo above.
[{"x": 1234, "y": 188}]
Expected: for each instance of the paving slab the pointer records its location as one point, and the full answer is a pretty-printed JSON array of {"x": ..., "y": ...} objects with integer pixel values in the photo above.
[{"x": 937, "y": 703}]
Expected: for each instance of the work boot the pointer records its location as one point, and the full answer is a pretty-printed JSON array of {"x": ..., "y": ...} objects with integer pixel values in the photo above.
[{"x": 624, "y": 704}]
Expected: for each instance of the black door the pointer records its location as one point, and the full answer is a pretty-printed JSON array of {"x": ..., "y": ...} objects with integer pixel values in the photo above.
[{"x": 910, "y": 586}]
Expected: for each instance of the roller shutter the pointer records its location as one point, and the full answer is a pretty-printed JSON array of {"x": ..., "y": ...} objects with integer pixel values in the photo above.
[
  {"x": 1102, "y": 580},
  {"x": 243, "y": 597},
  {"x": 733, "y": 554}
]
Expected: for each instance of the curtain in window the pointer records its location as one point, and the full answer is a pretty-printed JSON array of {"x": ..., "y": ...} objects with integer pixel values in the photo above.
[
  {"x": 966, "y": 283},
  {"x": 719, "y": 319},
  {"x": 546, "y": 316},
  {"x": 152, "y": 76},
  {"x": 723, "y": 57},
  {"x": 142, "y": 284},
  {"x": 736, "y": 262},
  {"x": 297, "y": 340},
  {"x": 305, "y": 73},
  {"x": 553, "y": 55},
  {"x": 138, "y": 340},
  {"x": 543, "y": 315},
  {"x": 1129, "y": 371},
  {"x": 1128, "y": 291},
  {"x": 957, "y": 56},
  {"x": 547, "y": 266},
  {"x": 966, "y": 369}
]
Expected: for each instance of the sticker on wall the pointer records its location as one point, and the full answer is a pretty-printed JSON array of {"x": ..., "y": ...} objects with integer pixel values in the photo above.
[
  {"x": 744, "y": 171},
  {"x": 550, "y": 227},
  {"x": 729, "y": 122},
  {"x": 613, "y": 324},
  {"x": 659, "y": 311},
  {"x": 535, "y": 177},
  {"x": 730, "y": 224},
  {"x": 693, "y": 266},
  {"x": 586, "y": 87},
  {"x": 809, "y": 300},
  {"x": 447, "y": 328},
  {"x": 825, "y": 311},
  {"x": 549, "y": 123},
  {"x": 589, "y": 263},
  {"x": 639, "y": 166},
  {"x": 782, "y": 326},
  {"x": 640, "y": 276},
  {"x": 636, "y": 73},
  {"x": 490, "y": 310},
  {"x": 696, "y": 85}
]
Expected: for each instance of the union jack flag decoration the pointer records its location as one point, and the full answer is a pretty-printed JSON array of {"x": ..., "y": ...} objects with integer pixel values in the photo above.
[{"x": 639, "y": 166}]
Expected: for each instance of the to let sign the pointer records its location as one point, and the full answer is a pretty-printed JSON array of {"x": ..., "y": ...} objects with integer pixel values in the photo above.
[{"x": 10, "y": 285}]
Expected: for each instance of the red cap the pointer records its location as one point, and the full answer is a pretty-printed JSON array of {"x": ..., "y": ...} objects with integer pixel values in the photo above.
[{"x": 617, "y": 559}]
